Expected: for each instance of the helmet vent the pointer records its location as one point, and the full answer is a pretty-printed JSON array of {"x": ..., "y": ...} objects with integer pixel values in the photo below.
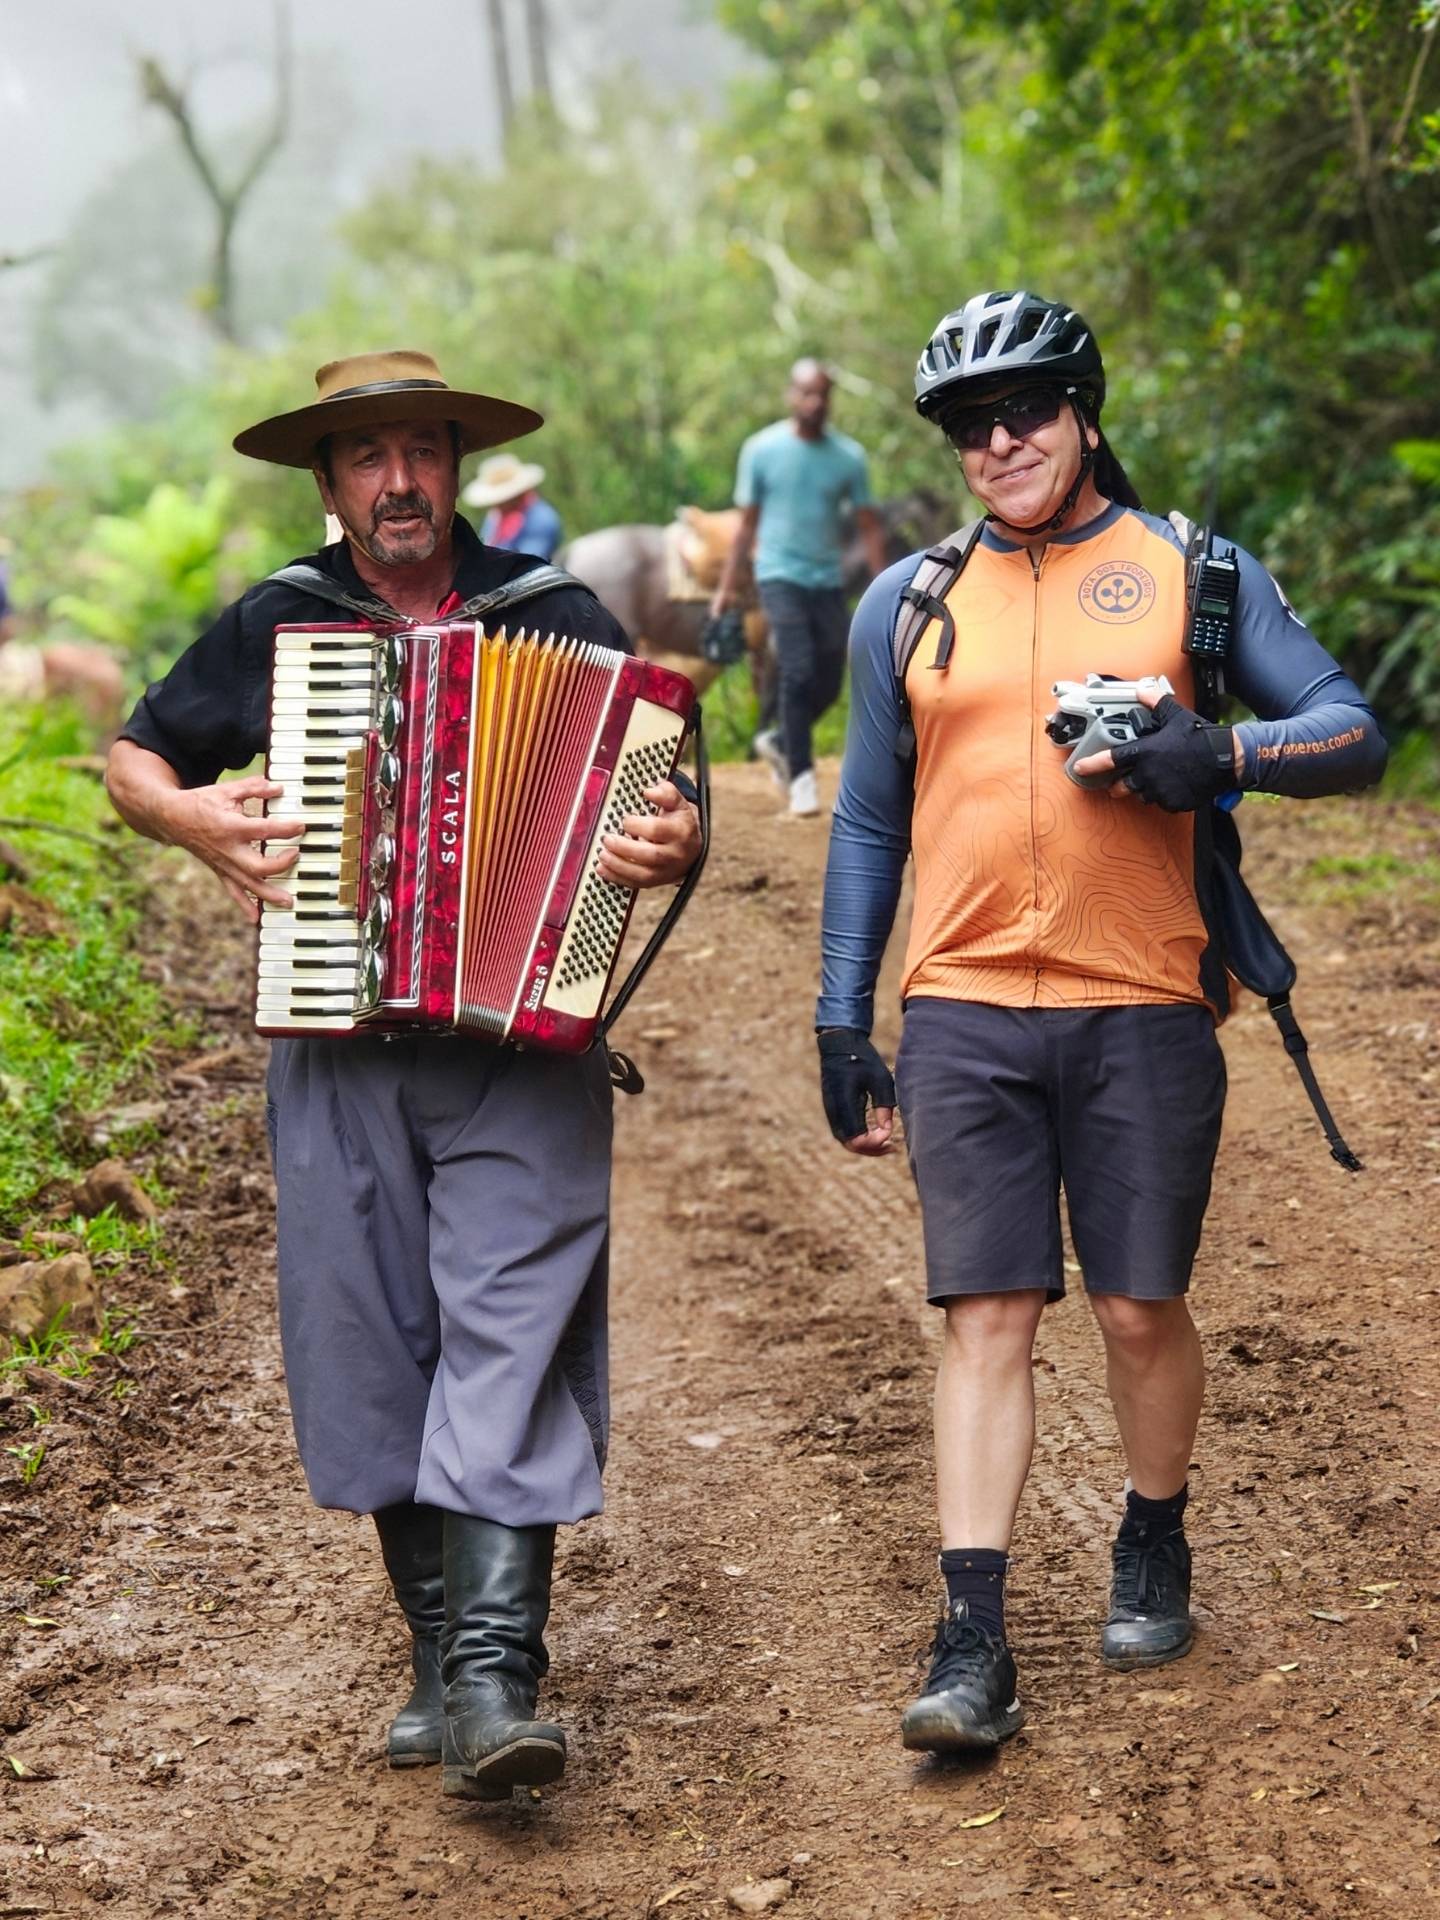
[{"x": 999, "y": 336}]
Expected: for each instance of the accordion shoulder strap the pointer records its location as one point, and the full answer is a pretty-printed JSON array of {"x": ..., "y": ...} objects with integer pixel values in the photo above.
[
  {"x": 525, "y": 586},
  {"x": 307, "y": 579},
  {"x": 510, "y": 593}
]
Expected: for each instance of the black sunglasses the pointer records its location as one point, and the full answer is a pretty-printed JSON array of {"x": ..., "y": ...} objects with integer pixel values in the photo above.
[{"x": 969, "y": 428}]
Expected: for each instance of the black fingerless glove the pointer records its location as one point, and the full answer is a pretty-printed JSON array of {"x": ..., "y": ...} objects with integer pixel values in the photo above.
[
  {"x": 1183, "y": 763},
  {"x": 851, "y": 1072}
]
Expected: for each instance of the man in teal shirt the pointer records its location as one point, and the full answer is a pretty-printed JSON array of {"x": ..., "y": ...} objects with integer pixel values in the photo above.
[{"x": 796, "y": 482}]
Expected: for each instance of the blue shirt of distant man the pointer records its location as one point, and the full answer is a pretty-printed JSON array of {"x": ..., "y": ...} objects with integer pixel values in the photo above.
[{"x": 797, "y": 483}]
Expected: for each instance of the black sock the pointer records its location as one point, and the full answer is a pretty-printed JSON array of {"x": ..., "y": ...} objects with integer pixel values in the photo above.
[
  {"x": 1158, "y": 1517},
  {"x": 976, "y": 1575}
]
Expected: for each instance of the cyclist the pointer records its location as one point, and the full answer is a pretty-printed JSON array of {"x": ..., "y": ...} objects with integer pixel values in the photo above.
[{"x": 1060, "y": 989}]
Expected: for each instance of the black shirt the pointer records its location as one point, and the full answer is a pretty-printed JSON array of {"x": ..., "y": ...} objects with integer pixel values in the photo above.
[{"x": 212, "y": 709}]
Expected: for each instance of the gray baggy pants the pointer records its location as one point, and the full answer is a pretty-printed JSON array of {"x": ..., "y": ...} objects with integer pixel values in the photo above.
[{"x": 443, "y": 1238}]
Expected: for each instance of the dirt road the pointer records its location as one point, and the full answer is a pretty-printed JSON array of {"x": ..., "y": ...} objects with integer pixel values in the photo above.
[{"x": 201, "y": 1730}]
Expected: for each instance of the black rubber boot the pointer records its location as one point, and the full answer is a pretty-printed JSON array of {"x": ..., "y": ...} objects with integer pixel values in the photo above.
[
  {"x": 412, "y": 1540},
  {"x": 497, "y": 1599},
  {"x": 1149, "y": 1622}
]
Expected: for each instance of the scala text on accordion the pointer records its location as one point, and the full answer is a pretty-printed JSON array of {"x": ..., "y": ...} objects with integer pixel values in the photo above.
[{"x": 455, "y": 787}]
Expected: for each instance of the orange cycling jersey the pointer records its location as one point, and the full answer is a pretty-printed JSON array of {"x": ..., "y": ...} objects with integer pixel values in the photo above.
[{"x": 1029, "y": 890}]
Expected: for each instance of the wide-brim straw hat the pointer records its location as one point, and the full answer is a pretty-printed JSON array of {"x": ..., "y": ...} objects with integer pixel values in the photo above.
[
  {"x": 377, "y": 390},
  {"x": 501, "y": 479}
]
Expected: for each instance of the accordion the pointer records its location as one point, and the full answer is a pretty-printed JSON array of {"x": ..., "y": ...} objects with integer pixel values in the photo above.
[{"x": 455, "y": 786}]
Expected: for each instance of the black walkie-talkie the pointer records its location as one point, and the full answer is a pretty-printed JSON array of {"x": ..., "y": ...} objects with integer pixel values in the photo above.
[{"x": 1212, "y": 586}]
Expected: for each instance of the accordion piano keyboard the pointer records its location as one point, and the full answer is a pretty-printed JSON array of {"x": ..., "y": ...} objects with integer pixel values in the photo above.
[{"x": 312, "y": 955}]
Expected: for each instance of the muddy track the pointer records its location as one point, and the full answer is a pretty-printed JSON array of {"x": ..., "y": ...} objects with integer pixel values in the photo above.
[{"x": 733, "y": 1641}]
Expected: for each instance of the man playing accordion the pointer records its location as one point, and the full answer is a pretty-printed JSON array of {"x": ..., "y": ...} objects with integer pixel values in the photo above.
[{"x": 442, "y": 1202}]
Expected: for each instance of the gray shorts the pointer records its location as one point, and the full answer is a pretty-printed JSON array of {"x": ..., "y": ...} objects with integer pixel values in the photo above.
[
  {"x": 1005, "y": 1105},
  {"x": 443, "y": 1246}
]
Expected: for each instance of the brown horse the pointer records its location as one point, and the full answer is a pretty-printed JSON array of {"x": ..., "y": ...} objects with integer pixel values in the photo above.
[{"x": 657, "y": 581}]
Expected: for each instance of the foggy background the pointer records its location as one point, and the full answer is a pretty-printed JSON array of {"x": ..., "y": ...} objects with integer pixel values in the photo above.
[{"x": 99, "y": 327}]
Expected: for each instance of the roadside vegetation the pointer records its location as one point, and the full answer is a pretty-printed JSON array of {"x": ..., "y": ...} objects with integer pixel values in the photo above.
[
  {"x": 1242, "y": 197},
  {"x": 80, "y": 1014}
]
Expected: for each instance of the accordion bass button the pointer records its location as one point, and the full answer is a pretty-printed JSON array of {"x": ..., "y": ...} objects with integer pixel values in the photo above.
[
  {"x": 377, "y": 920},
  {"x": 392, "y": 712},
  {"x": 387, "y": 777},
  {"x": 382, "y": 859},
  {"x": 372, "y": 978}
]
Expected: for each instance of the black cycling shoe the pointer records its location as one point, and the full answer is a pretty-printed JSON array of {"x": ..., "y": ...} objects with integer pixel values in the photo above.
[
  {"x": 970, "y": 1699},
  {"x": 1149, "y": 1600}
]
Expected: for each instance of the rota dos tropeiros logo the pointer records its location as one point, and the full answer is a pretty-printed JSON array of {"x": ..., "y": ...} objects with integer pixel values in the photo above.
[{"x": 1117, "y": 592}]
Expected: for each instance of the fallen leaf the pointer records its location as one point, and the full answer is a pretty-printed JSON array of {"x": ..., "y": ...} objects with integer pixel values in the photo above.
[
  {"x": 1289, "y": 1667},
  {"x": 1335, "y": 1619},
  {"x": 1259, "y": 1793},
  {"x": 39, "y": 1620},
  {"x": 1379, "y": 1586},
  {"x": 734, "y": 1573},
  {"x": 675, "y": 1892},
  {"x": 704, "y": 1440},
  {"x": 983, "y": 1819},
  {"x": 17, "y": 1767}
]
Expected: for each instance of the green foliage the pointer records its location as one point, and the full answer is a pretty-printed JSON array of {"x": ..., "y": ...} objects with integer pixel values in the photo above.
[
  {"x": 59, "y": 1348},
  {"x": 1242, "y": 196},
  {"x": 31, "y": 1457},
  {"x": 597, "y": 283},
  {"x": 47, "y": 1348},
  {"x": 152, "y": 578},
  {"x": 730, "y": 717},
  {"x": 78, "y": 1017}
]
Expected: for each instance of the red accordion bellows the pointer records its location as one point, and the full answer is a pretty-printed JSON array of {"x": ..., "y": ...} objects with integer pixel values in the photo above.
[{"x": 455, "y": 787}]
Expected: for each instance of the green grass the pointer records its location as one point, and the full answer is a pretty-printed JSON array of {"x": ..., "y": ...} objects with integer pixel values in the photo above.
[
  {"x": 1352, "y": 879},
  {"x": 730, "y": 717},
  {"x": 1413, "y": 772},
  {"x": 107, "y": 1233},
  {"x": 57, "y": 1348},
  {"x": 78, "y": 1020}
]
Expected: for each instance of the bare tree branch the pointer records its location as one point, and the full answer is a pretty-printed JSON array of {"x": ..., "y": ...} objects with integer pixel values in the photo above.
[
  {"x": 1402, "y": 119},
  {"x": 1369, "y": 170},
  {"x": 159, "y": 90},
  {"x": 24, "y": 259}
]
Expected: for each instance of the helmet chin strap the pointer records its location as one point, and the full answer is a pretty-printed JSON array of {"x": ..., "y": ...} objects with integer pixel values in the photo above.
[{"x": 1067, "y": 505}]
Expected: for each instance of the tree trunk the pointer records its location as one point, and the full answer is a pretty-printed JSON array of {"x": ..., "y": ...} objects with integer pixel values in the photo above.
[
  {"x": 537, "y": 34},
  {"x": 500, "y": 60}
]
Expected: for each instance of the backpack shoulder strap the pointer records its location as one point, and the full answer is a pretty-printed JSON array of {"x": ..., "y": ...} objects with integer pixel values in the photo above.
[
  {"x": 920, "y": 603},
  {"x": 1185, "y": 528},
  {"x": 924, "y": 599}
]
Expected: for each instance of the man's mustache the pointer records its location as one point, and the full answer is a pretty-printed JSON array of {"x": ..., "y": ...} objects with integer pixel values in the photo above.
[{"x": 402, "y": 506}]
